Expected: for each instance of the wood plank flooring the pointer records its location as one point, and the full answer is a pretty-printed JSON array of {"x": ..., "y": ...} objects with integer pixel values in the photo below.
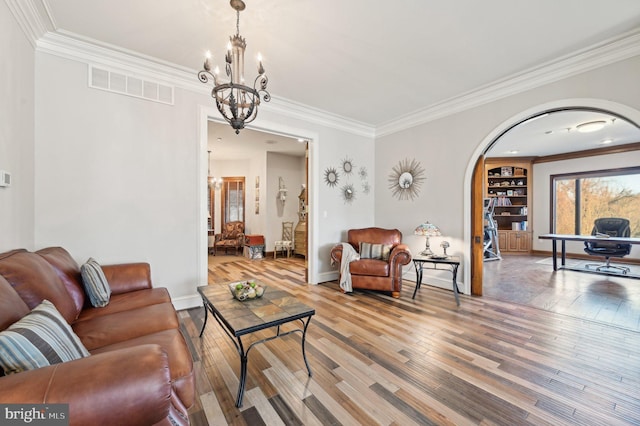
[
  {"x": 379, "y": 360},
  {"x": 531, "y": 281}
]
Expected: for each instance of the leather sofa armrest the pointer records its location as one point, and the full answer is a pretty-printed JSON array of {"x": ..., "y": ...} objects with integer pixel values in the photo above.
[
  {"x": 336, "y": 255},
  {"x": 400, "y": 254},
  {"x": 127, "y": 386},
  {"x": 127, "y": 277}
]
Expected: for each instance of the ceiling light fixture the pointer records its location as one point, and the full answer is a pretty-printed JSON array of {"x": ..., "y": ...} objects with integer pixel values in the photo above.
[
  {"x": 591, "y": 126},
  {"x": 606, "y": 141},
  {"x": 237, "y": 103}
]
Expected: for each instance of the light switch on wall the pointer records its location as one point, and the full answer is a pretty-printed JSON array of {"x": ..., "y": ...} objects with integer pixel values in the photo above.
[{"x": 5, "y": 178}]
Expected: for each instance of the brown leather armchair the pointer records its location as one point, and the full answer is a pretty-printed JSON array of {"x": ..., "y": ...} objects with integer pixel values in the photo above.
[
  {"x": 376, "y": 274},
  {"x": 232, "y": 236}
]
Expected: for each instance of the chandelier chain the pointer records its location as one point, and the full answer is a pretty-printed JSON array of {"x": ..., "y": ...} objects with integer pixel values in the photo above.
[{"x": 237, "y": 22}]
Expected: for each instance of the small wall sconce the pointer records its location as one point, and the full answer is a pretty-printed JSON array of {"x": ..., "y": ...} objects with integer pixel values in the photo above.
[{"x": 282, "y": 192}]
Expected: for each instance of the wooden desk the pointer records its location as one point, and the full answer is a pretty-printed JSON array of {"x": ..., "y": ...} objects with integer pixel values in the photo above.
[{"x": 566, "y": 237}]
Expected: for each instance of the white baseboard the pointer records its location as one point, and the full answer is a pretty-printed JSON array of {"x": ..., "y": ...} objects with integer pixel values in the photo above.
[
  {"x": 186, "y": 302},
  {"x": 328, "y": 276}
]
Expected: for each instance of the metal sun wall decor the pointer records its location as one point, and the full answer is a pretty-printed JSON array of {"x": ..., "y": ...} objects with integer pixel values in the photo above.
[
  {"x": 366, "y": 187},
  {"x": 331, "y": 176},
  {"x": 347, "y": 166},
  {"x": 348, "y": 193},
  {"x": 348, "y": 170},
  {"x": 363, "y": 173},
  {"x": 405, "y": 179}
]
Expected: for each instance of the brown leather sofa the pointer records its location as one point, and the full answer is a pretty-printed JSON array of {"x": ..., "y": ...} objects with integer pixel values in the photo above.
[
  {"x": 376, "y": 274},
  {"x": 139, "y": 371}
]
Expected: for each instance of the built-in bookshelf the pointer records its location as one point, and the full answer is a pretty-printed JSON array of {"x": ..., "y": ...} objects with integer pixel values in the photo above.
[{"x": 508, "y": 186}]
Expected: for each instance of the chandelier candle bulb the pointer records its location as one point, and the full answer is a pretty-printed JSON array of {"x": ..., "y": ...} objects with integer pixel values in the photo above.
[
  {"x": 207, "y": 63},
  {"x": 260, "y": 67}
]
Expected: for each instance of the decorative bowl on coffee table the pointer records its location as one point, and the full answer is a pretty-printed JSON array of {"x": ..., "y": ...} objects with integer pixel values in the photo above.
[{"x": 247, "y": 290}]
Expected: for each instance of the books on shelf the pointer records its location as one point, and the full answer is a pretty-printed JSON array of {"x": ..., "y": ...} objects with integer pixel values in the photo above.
[
  {"x": 519, "y": 226},
  {"x": 502, "y": 201}
]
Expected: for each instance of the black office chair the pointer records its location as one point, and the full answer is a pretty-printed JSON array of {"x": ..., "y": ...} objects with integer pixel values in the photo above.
[{"x": 613, "y": 227}]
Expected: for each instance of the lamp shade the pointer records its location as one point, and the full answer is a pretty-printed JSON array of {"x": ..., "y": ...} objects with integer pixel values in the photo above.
[{"x": 427, "y": 229}]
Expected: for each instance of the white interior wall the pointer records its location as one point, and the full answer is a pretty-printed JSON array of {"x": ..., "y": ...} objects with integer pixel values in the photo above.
[
  {"x": 449, "y": 147},
  {"x": 329, "y": 216},
  {"x": 16, "y": 134},
  {"x": 119, "y": 178},
  {"x": 542, "y": 186},
  {"x": 116, "y": 175},
  {"x": 286, "y": 167}
]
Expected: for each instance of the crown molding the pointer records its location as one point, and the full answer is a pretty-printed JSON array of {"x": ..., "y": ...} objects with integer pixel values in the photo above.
[
  {"x": 33, "y": 18},
  {"x": 81, "y": 49},
  {"x": 305, "y": 112},
  {"x": 612, "y": 50},
  {"x": 37, "y": 23},
  {"x": 78, "y": 48}
]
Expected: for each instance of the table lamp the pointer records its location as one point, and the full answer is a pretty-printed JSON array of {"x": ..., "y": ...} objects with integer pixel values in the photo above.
[{"x": 428, "y": 230}]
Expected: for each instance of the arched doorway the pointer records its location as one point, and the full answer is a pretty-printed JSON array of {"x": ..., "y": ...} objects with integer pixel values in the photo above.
[{"x": 473, "y": 228}]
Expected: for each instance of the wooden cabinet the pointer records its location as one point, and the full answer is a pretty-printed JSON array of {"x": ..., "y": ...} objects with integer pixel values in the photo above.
[
  {"x": 508, "y": 186},
  {"x": 300, "y": 233},
  {"x": 514, "y": 241},
  {"x": 300, "y": 239}
]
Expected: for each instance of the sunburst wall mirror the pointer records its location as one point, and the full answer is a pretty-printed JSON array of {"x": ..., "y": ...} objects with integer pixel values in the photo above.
[
  {"x": 331, "y": 176},
  {"x": 348, "y": 193},
  {"x": 405, "y": 179},
  {"x": 347, "y": 166}
]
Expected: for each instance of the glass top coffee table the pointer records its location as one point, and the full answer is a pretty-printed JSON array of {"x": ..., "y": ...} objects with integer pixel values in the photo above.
[{"x": 238, "y": 319}]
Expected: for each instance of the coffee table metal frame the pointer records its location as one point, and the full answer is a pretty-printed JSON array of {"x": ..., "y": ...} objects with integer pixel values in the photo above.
[{"x": 236, "y": 335}]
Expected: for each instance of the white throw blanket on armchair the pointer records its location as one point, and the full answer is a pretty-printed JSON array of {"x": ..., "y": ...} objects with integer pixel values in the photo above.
[{"x": 349, "y": 254}]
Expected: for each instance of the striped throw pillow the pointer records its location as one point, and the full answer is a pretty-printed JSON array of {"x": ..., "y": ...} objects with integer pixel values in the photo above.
[
  {"x": 40, "y": 338},
  {"x": 374, "y": 251},
  {"x": 95, "y": 283}
]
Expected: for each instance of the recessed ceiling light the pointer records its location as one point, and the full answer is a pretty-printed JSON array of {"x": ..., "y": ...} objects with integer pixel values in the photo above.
[
  {"x": 591, "y": 126},
  {"x": 548, "y": 132},
  {"x": 514, "y": 151},
  {"x": 606, "y": 141}
]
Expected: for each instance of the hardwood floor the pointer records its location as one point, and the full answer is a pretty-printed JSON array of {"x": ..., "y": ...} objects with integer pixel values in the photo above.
[
  {"x": 379, "y": 360},
  {"x": 531, "y": 281}
]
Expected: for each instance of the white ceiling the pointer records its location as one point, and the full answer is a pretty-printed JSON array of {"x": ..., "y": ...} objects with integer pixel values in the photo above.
[
  {"x": 224, "y": 144},
  {"x": 368, "y": 61},
  {"x": 557, "y": 133}
]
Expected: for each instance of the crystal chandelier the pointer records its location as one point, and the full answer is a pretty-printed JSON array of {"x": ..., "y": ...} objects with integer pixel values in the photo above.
[{"x": 237, "y": 102}]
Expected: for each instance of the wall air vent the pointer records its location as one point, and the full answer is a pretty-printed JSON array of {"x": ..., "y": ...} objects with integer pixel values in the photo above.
[{"x": 138, "y": 87}]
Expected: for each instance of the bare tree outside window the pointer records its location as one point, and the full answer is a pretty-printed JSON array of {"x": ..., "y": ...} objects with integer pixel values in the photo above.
[{"x": 579, "y": 199}]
